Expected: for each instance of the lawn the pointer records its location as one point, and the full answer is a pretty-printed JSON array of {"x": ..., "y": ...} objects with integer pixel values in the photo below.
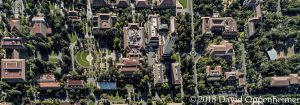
[
  {"x": 81, "y": 58},
  {"x": 53, "y": 60},
  {"x": 73, "y": 38},
  {"x": 183, "y": 3}
]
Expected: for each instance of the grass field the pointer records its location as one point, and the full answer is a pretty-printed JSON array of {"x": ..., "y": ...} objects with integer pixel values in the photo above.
[
  {"x": 73, "y": 38},
  {"x": 81, "y": 58},
  {"x": 184, "y": 3}
]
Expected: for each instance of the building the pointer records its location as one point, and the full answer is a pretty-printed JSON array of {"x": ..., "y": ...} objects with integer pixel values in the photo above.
[
  {"x": 14, "y": 25},
  {"x": 223, "y": 49},
  {"x": 236, "y": 76},
  {"x": 129, "y": 66},
  {"x": 5, "y": 103},
  {"x": 47, "y": 81},
  {"x": 12, "y": 43},
  {"x": 100, "y": 3},
  {"x": 166, "y": 3},
  {"x": 226, "y": 26},
  {"x": 107, "y": 85},
  {"x": 142, "y": 4},
  {"x": 134, "y": 36},
  {"x": 122, "y": 3},
  {"x": 214, "y": 75},
  {"x": 284, "y": 81},
  {"x": 166, "y": 46},
  {"x": 102, "y": 21},
  {"x": 73, "y": 15},
  {"x": 13, "y": 70},
  {"x": 75, "y": 84},
  {"x": 153, "y": 28},
  {"x": 256, "y": 19},
  {"x": 176, "y": 73},
  {"x": 39, "y": 27},
  {"x": 158, "y": 73}
]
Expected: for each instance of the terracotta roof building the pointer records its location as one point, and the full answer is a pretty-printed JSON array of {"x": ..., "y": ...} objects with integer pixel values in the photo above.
[
  {"x": 48, "y": 81},
  {"x": 158, "y": 73},
  {"x": 214, "y": 75},
  {"x": 12, "y": 42},
  {"x": 102, "y": 21},
  {"x": 39, "y": 27},
  {"x": 283, "y": 81},
  {"x": 13, "y": 70},
  {"x": 153, "y": 27},
  {"x": 235, "y": 75},
  {"x": 166, "y": 3},
  {"x": 223, "y": 49},
  {"x": 134, "y": 36},
  {"x": 5, "y": 103},
  {"x": 75, "y": 84},
  {"x": 257, "y": 18},
  {"x": 73, "y": 15},
  {"x": 122, "y": 3},
  {"x": 176, "y": 73},
  {"x": 129, "y": 65},
  {"x": 14, "y": 25},
  {"x": 226, "y": 25},
  {"x": 100, "y": 3},
  {"x": 140, "y": 4}
]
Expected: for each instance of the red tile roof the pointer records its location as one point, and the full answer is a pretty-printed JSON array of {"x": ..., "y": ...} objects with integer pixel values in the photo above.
[
  {"x": 134, "y": 36},
  {"x": 176, "y": 73},
  {"x": 47, "y": 81},
  {"x": 225, "y": 48},
  {"x": 14, "y": 25},
  {"x": 12, "y": 42},
  {"x": 71, "y": 83},
  {"x": 40, "y": 27},
  {"x": 13, "y": 70}
]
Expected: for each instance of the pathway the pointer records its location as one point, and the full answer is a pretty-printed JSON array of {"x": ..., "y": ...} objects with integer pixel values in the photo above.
[{"x": 71, "y": 47}]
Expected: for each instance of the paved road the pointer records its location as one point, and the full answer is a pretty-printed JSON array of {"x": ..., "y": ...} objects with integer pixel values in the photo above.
[
  {"x": 191, "y": 11},
  {"x": 244, "y": 64}
]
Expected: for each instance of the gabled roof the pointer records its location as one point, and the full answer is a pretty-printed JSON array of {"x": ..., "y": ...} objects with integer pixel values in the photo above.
[
  {"x": 75, "y": 84},
  {"x": 103, "y": 20},
  {"x": 73, "y": 15},
  {"x": 13, "y": 70},
  {"x": 122, "y": 3},
  {"x": 225, "y": 48},
  {"x": 14, "y": 25},
  {"x": 158, "y": 72},
  {"x": 47, "y": 80},
  {"x": 129, "y": 65},
  {"x": 100, "y": 3},
  {"x": 176, "y": 73},
  {"x": 12, "y": 42},
  {"x": 142, "y": 4},
  {"x": 153, "y": 27},
  {"x": 216, "y": 72},
  {"x": 40, "y": 27},
  {"x": 282, "y": 81},
  {"x": 166, "y": 3},
  {"x": 134, "y": 36}
]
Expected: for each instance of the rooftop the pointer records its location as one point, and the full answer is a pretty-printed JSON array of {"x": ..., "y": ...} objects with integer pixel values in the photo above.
[
  {"x": 223, "y": 49},
  {"x": 176, "y": 73},
  {"x": 12, "y": 42},
  {"x": 14, "y": 25},
  {"x": 158, "y": 72},
  {"x": 73, "y": 83},
  {"x": 227, "y": 25},
  {"x": 153, "y": 27},
  {"x": 216, "y": 72},
  {"x": 133, "y": 36},
  {"x": 47, "y": 81},
  {"x": 102, "y": 21},
  {"x": 40, "y": 27},
  {"x": 13, "y": 70}
]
